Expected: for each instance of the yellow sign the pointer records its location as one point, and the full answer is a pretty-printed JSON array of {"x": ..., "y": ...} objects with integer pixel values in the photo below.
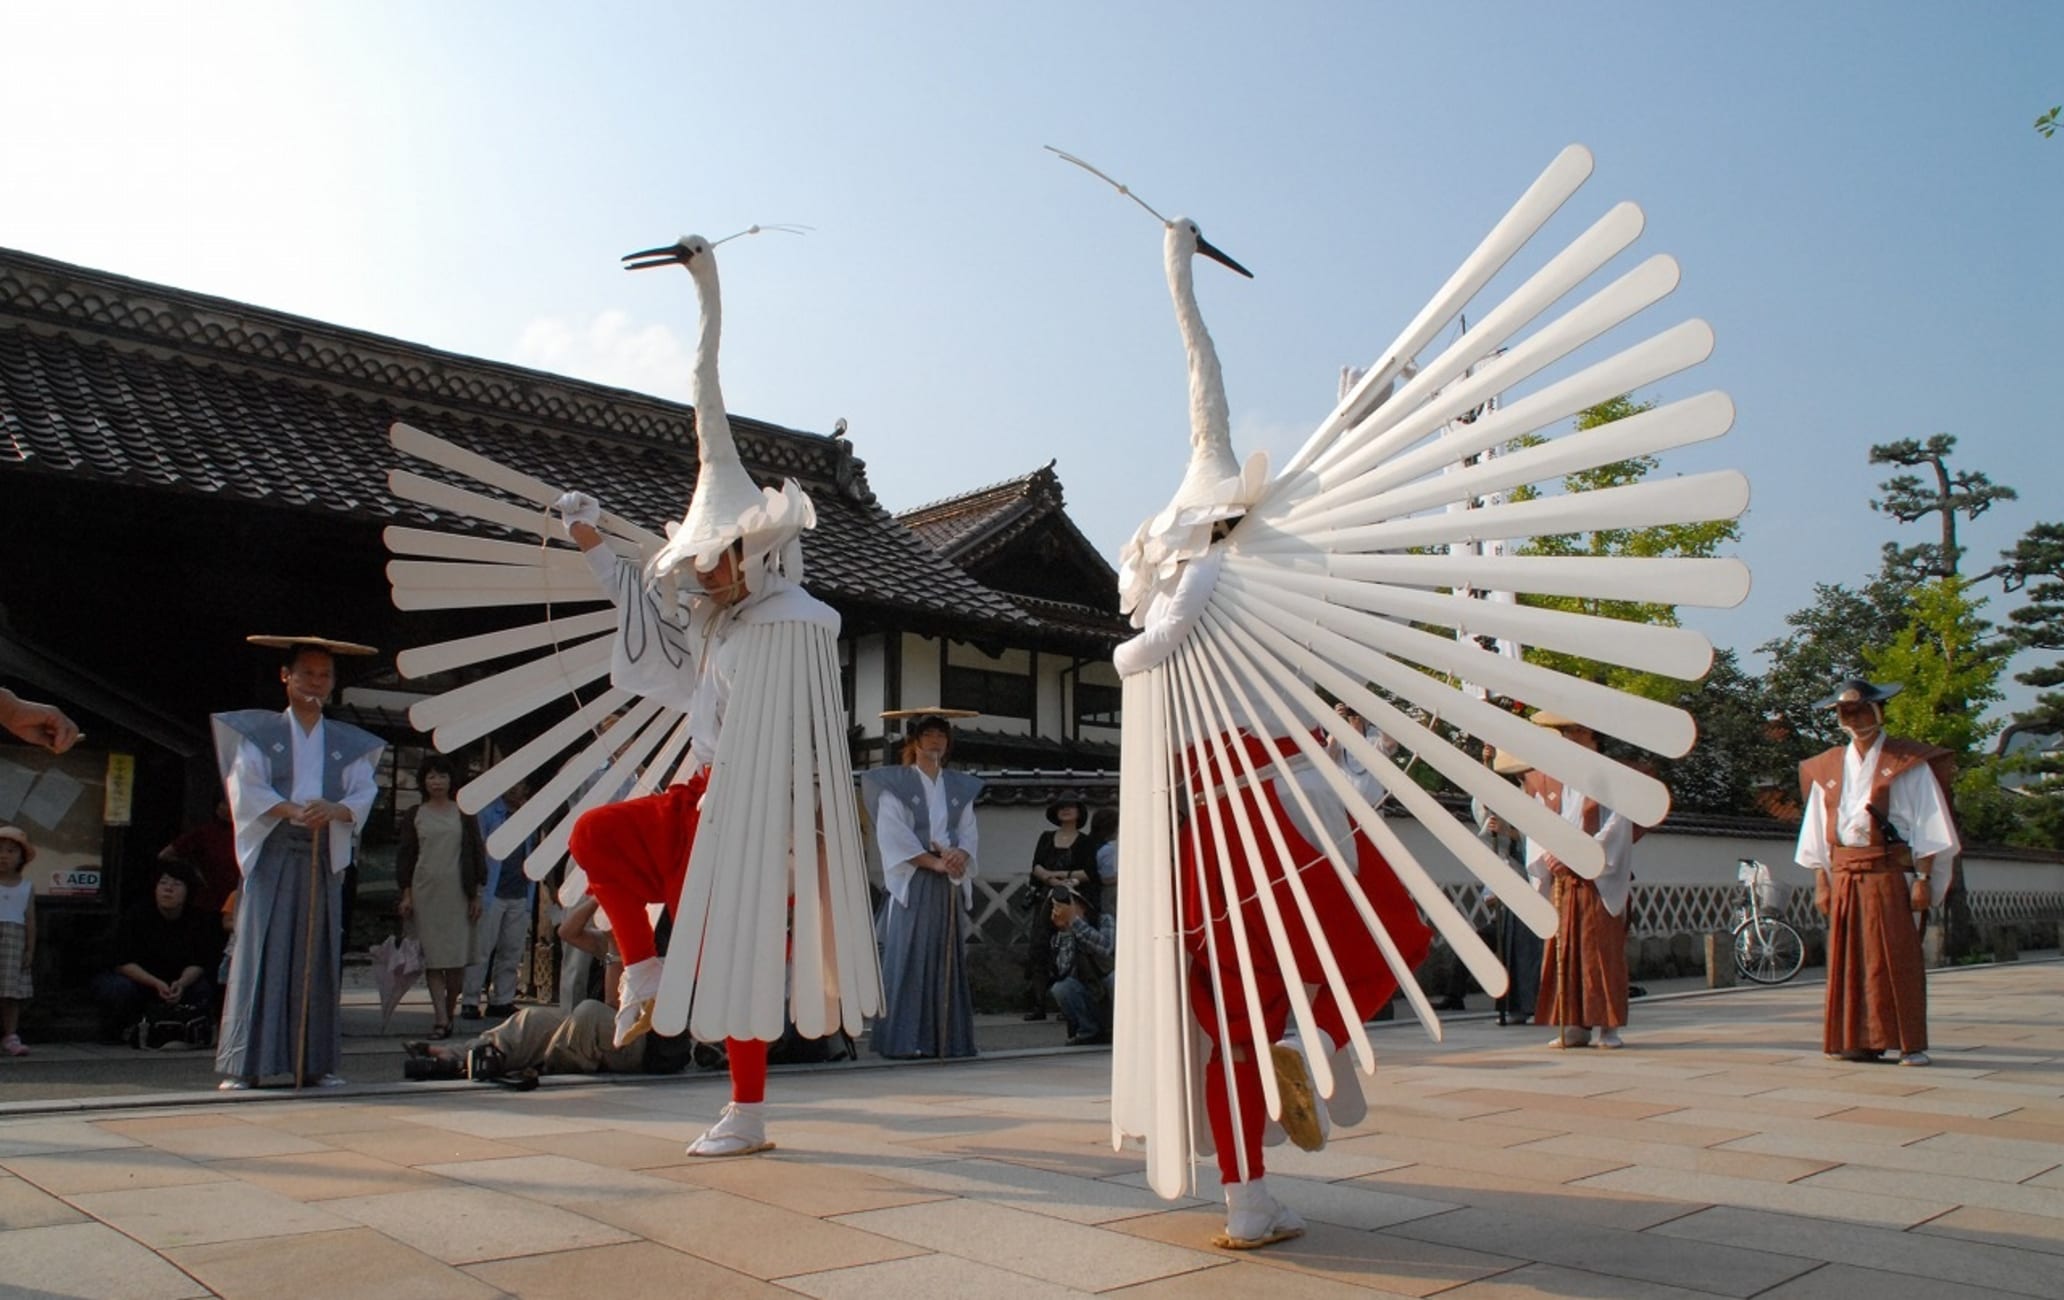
[{"x": 121, "y": 789}]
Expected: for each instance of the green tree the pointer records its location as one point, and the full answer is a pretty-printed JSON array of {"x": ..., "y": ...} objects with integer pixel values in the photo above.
[
  {"x": 1699, "y": 540},
  {"x": 1830, "y": 639},
  {"x": 1966, "y": 492},
  {"x": 2036, "y": 566},
  {"x": 1737, "y": 754},
  {"x": 1949, "y": 660}
]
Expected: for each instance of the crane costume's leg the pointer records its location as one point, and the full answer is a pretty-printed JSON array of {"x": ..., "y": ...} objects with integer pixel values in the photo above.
[
  {"x": 1254, "y": 1217},
  {"x": 636, "y": 854}
]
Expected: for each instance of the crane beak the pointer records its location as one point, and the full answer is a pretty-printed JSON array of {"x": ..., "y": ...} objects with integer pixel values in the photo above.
[
  {"x": 1204, "y": 246},
  {"x": 666, "y": 255}
]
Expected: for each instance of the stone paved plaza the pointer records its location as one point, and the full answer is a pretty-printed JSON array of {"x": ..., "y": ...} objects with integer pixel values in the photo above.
[{"x": 1720, "y": 1154}]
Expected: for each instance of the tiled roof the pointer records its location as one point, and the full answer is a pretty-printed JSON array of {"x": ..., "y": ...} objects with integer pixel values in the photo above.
[
  {"x": 155, "y": 387},
  {"x": 971, "y": 527}
]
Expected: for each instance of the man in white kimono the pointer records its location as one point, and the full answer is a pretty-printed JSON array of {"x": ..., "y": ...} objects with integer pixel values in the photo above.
[
  {"x": 300, "y": 786},
  {"x": 924, "y": 823}
]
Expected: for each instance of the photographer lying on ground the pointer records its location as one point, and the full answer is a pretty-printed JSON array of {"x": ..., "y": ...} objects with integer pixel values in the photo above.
[{"x": 547, "y": 1040}]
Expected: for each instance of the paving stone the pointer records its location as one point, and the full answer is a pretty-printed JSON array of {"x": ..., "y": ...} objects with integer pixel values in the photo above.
[
  {"x": 1809, "y": 1240},
  {"x": 197, "y": 1213},
  {"x": 1547, "y": 1281},
  {"x": 24, "y": 1205},
  {"x": 795, "y": 1183},
  {"x": 465, "y": 1225},
  {"x": 328, "y": 1175},
  {"x": 1732, "y": 1162},
  {"x": 87, "y": 1259},
  {"x": 1061, "y": 1196},
  {"x": 927, "y": 1277},
  {"x": 1578, "y": 1202},
  {"x": 2047, "y": 1202},
  {"x": 1245, "y": 1280},
  {"x": 555, "y": 1180},
  {"x": 1034, "y": 1245},
  {"x": 50, "y": 1136},
  {"x": 417, "y": 1144},
  {"x": 110, "y": 1170},
  {"x": 1522, "y": 1162},
  {"x": 1998, "y": 1227},
  {"x": 324, "y": 1265},
  {"x": 748, "y": 1236},
  {"x": 1846, "y": 1282},
  {"x": 637, "y": 1270},
  {"x": 225, "y": 1141},
  {"x": 1613, "y": 1252},
  {"x": 615, "y": 1147},
  {"x": 1963, "y": 1154},
  {"x": 1376, "y": 1260},
  {"x": 1890, "y": 1208}
]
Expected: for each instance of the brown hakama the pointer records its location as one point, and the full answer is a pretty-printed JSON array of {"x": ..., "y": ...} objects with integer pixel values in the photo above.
[
  {"x": 1877, "y": 995},
  {"x": 1584, "y": 965}
]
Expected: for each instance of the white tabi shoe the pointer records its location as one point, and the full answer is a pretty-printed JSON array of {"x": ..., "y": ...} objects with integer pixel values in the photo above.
[
  {"x": 1255, "y": 1218},
  {"x": 1303, "y": 1120},
  {"x": 235, "y": 1085},
  {"x": 1914, "y": 1058},
  {"x": 1609, "y": 1039},
  {"x": 740, "y": 1131},
  {"x": 1347, "y": 1106},
  {"x": 635, "y": 992}
]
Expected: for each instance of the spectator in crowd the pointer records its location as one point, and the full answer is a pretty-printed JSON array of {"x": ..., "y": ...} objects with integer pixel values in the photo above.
[
  {"x": 300, "y": 787},
  {"x": 1085, "y": 959},
  {"x": 1103, "y": 833},
  {"x": 441, "y": 866},
  {"x": 1364, "y": 779},
  {"x": 210, "y": 849},
  {"x": 17, "y": 935},
  {"x": 1518, "y": 947},
  {"x": 502, "y": 939},
  {"x": 163, "y": 952},
  {"x": 591, "y": 965},
  {"x": 39, "y": 724},
  {"x": 1062, "y": 858},
  {"x": 924, "y": 822}
]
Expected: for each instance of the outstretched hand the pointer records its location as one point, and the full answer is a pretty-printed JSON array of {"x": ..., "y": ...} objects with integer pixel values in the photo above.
[
  {"x": 578, "y": 508},
  {"x": 39, "y": 724}
]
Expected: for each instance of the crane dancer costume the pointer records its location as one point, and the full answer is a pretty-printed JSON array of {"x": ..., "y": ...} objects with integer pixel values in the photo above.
[
  {"x": 1254, "y": 594},
  {"x": 730, "y": 672},
  {"x": 280, "y": 1011}
]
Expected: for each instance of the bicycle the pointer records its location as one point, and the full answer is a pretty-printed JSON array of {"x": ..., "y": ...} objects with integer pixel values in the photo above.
[{"x": 1767, "y": 950}]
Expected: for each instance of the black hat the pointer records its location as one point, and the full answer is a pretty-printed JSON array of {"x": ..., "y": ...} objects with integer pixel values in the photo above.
[
  {"x": 1857, "y": 690},
  {"x": 1062, "y": 800},
  {"x": 918, "y": 721}
]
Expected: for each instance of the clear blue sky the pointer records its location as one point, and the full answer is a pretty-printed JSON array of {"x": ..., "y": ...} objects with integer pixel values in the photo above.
[{"x": 1859, "y": 204}]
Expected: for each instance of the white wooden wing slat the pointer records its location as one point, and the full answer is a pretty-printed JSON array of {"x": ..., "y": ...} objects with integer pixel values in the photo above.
[{"x": 424, "y": 661}]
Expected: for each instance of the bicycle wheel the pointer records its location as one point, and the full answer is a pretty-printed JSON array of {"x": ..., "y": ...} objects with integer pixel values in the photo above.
[{"x": 1768, "y": 951}]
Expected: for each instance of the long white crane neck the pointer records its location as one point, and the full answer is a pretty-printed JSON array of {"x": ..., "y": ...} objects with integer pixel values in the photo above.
[
  {"x": 1210, "y": 427},
  {"x": 712, "y": 426}
]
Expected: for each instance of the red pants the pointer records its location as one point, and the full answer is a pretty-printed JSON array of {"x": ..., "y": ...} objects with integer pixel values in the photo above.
[
  {"x": 636, "y": 854},
  {"x": 1370, "y": 984}
]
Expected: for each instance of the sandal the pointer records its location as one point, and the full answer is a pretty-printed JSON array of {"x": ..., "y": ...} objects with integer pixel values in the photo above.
[{"x": 438, "y": 1033}]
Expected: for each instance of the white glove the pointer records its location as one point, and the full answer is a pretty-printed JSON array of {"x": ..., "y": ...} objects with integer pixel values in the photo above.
[{"x": 578, "y": 508}]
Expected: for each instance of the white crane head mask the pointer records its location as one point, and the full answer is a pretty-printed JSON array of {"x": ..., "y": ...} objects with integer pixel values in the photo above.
[
  {"x": 727, "y": 507},
  {"x": 1216, "y": 487}
]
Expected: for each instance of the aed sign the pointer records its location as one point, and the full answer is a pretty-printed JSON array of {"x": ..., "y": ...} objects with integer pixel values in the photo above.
[{"x": 77, "y": 882}]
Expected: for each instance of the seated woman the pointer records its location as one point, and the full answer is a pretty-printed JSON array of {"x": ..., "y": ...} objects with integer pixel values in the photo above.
[{"x": 161, "y": 957}]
